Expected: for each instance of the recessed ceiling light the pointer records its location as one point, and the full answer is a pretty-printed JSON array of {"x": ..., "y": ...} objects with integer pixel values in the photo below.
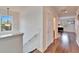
[{"x": 65, "y": 11}]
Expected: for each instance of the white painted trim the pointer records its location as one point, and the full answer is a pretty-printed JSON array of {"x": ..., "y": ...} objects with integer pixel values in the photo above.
[
  {"x": 44, "y": 49},
  {"x": 66, "y": 17},
  {"x": 77, "y": 42}
]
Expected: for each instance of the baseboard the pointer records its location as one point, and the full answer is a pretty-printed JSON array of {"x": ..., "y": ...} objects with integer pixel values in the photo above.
[
  {"x": 52, "y": 43},
  {"x": 44, "y": 49}
]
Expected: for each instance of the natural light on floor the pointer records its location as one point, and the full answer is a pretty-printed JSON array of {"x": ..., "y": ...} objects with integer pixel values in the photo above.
[{"x": 65, "y": 39}]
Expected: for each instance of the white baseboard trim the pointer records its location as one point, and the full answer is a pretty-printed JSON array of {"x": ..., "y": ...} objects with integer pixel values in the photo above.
[{"x": 44, "y": 49}]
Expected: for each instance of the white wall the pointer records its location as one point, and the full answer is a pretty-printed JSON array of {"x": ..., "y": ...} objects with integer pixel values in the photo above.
[
  {"x": 31, "y": 24},
  {"x": 66, "y": 23},
  {"x": 49, "y": 26},
  {"x": 37, "y": 20},
  {"x": 77, "y": 27}
]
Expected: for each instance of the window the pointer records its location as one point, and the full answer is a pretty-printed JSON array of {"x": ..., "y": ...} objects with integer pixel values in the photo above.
[{"x": 6, "y": 23}]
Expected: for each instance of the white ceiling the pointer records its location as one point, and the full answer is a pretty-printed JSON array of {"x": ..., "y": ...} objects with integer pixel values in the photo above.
[
  {"x": 59, "y": 9},
  {"x": 15, "y": 8},
  {"x": 70, "y": 9},
  {"x": 20, "y": 9}
]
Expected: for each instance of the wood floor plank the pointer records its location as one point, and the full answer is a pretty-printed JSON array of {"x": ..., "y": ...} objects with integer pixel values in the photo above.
[{"x": 65, "y": 44}]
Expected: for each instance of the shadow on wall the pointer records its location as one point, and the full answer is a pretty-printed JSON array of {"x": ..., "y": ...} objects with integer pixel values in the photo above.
[{"x": 32, "y": 44}]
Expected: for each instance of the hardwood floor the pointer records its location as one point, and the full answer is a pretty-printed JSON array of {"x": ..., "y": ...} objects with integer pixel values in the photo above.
[{"x": 65, "y": 44}]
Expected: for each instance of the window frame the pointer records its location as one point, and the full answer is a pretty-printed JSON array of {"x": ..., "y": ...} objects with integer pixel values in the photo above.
[{"x": 11, "y": 26}]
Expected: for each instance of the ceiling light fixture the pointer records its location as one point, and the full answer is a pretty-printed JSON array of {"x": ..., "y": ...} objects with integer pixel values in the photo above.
[
  {"x": 8, "y": 24},
  {"x": 65, "y": 11},
  {"x": 7, "y": 14}
]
